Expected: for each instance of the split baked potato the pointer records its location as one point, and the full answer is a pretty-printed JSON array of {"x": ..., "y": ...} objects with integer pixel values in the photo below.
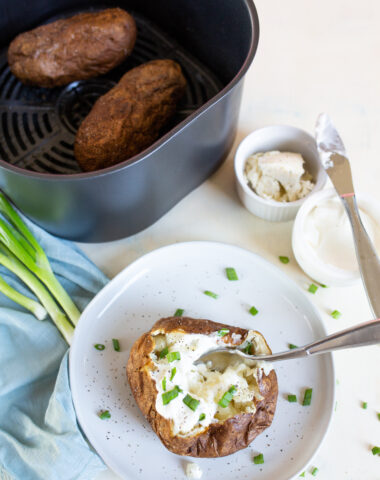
[
  {"x": 75, "y": 48},
  {"x": 208, "y": 410}
]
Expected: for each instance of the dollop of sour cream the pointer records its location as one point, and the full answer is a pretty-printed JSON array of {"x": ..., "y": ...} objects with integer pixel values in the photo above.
[{"x": 328, "y": 232}]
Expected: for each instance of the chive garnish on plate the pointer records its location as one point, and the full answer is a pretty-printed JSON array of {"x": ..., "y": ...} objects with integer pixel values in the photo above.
[
  {"x": 292, "y": 346},
  {"x": 179, "y": 312},
  {"x": 191, "y": 402},
  {"x": 104, "y": 415},
  {"x": 307, "y": 397},
  {"x": 167, "y": 397},
  {"x": 164, "y": 384},
  {"x": 314, "y": 471},
  {"x": 253, "y": 311},
  {"x": 292, "y": 398},
  {"x": 172, "y": 356},
  {"x": 364, "y": 405},
  {"x": 202, "y": 416},
  {"x": 174, "y": 371},
  {"x": 302, "y": 474},
  {"x": 247, "y": 348},
  {"x": 376, "y": 451},
  {"x": 284, "y": 259},
  {"x": 378, "y": 416},
  {"x": 313, "y": 288},
  {"x": 116, "y": 344},
  {"x": 211, "y": 294},
  {"x": 164, "y": 352},
  {"x": 258, "y": 459},
  {"x": 227, "y": 397},
  {"x": 336, "y": 314},
  {"x": 99, "y": 346},
  {"x": 231, "y": 273},
  {"x": 223, "y": 332}
]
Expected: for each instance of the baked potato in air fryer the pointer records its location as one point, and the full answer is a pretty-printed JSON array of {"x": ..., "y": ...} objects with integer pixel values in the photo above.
[
  {"x": 129, "y": 117},
  {"x": 197, "y": 410},
  {"x": 75, "y": 48}
]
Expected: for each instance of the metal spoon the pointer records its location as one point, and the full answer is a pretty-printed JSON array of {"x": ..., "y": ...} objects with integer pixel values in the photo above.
[{"x": 359, "y": 336}]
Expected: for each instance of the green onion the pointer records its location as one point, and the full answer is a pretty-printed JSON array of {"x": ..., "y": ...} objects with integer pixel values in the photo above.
[
  {"x": 170, "y": 395},
  {"x": 292, "y": 398},
  {"x": 171, "y": 356},
  {"x": 38, "y": 310},
  {"x": 227, "y": 397},
  {"x": 191, "y": 402},
  {"x": 231, "y": 273},
  {"x": 376, "y": 451},
  {"x": 313, "y": 288},
  {"x": 164, "y": 352},
  {"x": 314, "y": 471},
  {"x": 292, "y": 346},
  {"x": 116, "y": 344},
  {"x": 223, "y": 332},
  {"x": 336, "y": 314},
  {"x": 105, "y": 414},
  {"x": 174, "y": 371},
  {"x": 178, "y": 312},
  {"x": 307, "y": 397},
  {"x": 202, "y": 416},
  {"x": 284, "y": 259},
  {"x": 378, "y": 416},
  {"x": 364, "y": 405},
  {"x": 99, "y": 346},
  {"x": 164, "y": 384},
  {"x": 211, "y": 294},
  {"x": 302, "y": 474},
  {"x": 259, "y": 459},
  {"x": 247, "y": 348},
  {"x": 253, "y": 311},
  {"x": 323, "y": 285}
]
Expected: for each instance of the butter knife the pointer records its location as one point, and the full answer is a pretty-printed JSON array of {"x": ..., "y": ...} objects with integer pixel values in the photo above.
[{"x": 333, "y": 157}]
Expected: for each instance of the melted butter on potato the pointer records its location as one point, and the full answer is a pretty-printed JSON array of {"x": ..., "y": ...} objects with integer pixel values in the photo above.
[{"x": 204, "y": 382}]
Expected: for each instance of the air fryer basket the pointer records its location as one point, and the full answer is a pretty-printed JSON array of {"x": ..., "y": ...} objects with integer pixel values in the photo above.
[{"x": 37, "y": 125}]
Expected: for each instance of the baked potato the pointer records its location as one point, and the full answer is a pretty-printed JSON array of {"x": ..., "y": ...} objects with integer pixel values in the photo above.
[
  {"x": 129, "y": 117},
  {"x": 208, "y": 410},
  {"x": 76, "y": 48}
]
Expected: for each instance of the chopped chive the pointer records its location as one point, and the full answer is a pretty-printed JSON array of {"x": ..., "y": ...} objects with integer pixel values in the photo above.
[
  {"x": 302, "y": 474},
  {"x": 323, "y": 285},
  {"x": 178, "y": 312},
  {"x": 116, "y": 344},
  {"x": 259, "y": 459},
  {"x": 223, "y": 332},
  {"x": 99, "y": 346},
  {"x": 174, "y": 371},
  {"x": 292, "y": 398},
  {"x": 164, "y": 384},
  {"x": 171, "y": 356},
  {"x": 307, "y": 397},
  {"x": 314, "y": 471},
  {"x": 376, "y": 451},
  {"x": 202, "y": 416},
  {"x": 378, "y": 416},
  {"x": 164, "y": 352},
  {"x": 336, "y": 314},
  {"x": 170, "y": 395},
  {"x": 179, "y": 389},
  {"x": 105, "y": 414},
  {"x": 231, "y": 273},
  {"x": 253, "y": 311},
  {"x": 292, "y": 346},
  {"x": 227, "y": 397},
  {"x": 248, "y": 348},
  {"x": 191, "y": 402},
  {"x": 313, "y": 288},
  {"x": 211, "y": 294},
  {"x": 364, "y": 405},
  {"x": 284, "y": 259}
]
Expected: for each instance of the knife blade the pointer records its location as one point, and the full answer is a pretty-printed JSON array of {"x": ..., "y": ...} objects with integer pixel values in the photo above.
[{"x": 334, "y": 160}]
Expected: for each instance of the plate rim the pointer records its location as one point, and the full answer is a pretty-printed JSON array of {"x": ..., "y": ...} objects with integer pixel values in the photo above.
[{"x": 145, "y": 257}]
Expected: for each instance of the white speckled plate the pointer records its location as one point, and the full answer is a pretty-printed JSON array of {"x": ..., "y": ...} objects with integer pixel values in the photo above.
[{"x": 155, "y": 286}]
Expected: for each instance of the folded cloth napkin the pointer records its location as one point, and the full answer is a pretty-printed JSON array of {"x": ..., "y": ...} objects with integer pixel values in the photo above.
[{"x": 39, "y": 435}]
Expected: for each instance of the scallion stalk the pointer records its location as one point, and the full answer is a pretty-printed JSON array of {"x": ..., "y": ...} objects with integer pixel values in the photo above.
[{"x": 38, "y": 310}]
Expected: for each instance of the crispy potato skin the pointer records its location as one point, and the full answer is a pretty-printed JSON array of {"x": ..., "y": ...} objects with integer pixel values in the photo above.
[
  {"x": 129, "y": 117},
  {"x": 76, "y": 48},
  {"x": 219, "y": 439}
]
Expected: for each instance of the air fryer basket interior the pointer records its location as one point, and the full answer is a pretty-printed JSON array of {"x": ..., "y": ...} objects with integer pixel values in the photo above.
[{"x": 38, "y": 125}]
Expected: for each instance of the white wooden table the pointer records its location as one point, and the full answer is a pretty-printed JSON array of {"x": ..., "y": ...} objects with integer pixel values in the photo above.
[{"x": 313, "y": 56}]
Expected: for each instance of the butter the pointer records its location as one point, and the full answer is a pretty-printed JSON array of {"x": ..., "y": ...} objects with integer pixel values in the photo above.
[{"x": 278, "y": 176}]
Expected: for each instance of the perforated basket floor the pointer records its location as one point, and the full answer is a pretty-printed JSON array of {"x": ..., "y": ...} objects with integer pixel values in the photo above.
[{"x": 38, "y": 125}]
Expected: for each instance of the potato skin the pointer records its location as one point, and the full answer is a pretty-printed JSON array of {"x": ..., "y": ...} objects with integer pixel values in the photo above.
[
  {"x": 219, "y": 439},
  {"x": 129, "y": 117},
  {"x": 76, "y": 48}
]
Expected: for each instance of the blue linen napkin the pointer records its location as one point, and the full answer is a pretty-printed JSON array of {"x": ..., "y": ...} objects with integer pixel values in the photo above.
[{"x": 39, "y": 435}]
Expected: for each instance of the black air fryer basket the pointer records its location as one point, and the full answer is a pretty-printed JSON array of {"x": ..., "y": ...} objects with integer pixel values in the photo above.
[{"x": 214, "y": 41}]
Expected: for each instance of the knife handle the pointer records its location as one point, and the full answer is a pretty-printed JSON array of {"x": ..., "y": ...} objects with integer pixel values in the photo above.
[{"x": 369, "y": 262}]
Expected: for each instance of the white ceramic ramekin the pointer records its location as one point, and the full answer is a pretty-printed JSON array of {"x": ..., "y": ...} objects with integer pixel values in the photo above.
[
  {"x": 307, "y": 258},
  {"x": 286, "y": 139}
]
